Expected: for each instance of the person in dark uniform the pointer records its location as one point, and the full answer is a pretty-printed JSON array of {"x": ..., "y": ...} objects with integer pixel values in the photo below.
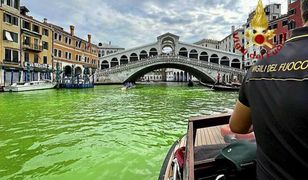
[{"x": 273, "y": 103}]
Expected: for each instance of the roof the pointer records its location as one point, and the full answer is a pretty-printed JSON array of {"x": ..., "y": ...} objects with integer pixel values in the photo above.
[{"x": 109, "y": 46}]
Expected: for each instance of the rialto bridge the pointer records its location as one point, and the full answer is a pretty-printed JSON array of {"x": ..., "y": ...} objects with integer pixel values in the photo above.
[{"x": 204, "y": 63}]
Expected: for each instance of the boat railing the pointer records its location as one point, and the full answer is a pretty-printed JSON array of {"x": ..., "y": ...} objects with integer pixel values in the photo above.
[{"x": 194, "y": 124}]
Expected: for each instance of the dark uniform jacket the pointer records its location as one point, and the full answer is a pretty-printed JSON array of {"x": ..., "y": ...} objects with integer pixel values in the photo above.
[{"x": 276, "y": 90}]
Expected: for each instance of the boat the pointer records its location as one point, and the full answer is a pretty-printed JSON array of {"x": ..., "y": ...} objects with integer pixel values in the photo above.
[
  {"x": 209, "y": 151},
  {"x": 30, "y": 86},
  {"x": 190, "y": 83},
  {"x": 221, "y": 87},
  {"x": 127, "y": 86}
]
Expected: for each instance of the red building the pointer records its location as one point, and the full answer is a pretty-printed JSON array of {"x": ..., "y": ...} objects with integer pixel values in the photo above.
[
  {"x": 286, "y": 23},
  {"x": 295, "y": 14}
]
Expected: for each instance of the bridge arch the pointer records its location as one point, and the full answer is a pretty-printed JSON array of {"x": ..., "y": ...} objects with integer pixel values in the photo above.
[
  {"x": 214, "y": 59},
  {"x": 143, "y": 55},
  {"x": 204, "y": 56},
  {"x": 168, "y": 42},
  {"x": 236, "y": 63},
  {"x": 133, "y": 57},
  {"x": 153, "y": 52},
  {"x": 104, "y": 64},
  {"x": 225, "y": 61},
  {"x": 123, "y": 60},
  {"x": 114, "y": 62},
  {"x": 183, "y": 52},
  {"x": 193, "y": 54},
  {"x": 203, "y": 76}
]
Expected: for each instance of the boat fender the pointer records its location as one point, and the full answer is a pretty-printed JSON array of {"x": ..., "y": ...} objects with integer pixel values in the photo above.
[{"x": 179, "y": 155}]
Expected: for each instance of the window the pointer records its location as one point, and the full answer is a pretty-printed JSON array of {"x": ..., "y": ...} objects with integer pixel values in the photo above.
[
  {"x": 27, "y": 57},
  {"x": 292, "y": 25},
  {"x": 45, "y": 32},
  {"x": 60, "y": 53},
  {"x": 10, "y": 36},
  {"x": 66, "y": 55},
  {"x": 26, "y": 25},
  {"x": 275, "y": 26},
  {"x": 285, "y": 23},
  {"x": 66, "y": 40},
  {"x": 45, "y": 60},
  {"x": 291, "y": 12},
  {"x": 27, "y": 40},
  {"x": 45, "y": 45},
  {"x": 69, "y": 41},
  {"x": 274, "y": 17},
  {"x": 76, "y": 57},
  {"x": 10, "y": 19},
  {"x": 36, "y": 28},
  {"x": 36, "y": 58},
  {"x": 12, "y": 3},
  {"x": 8, "y": 55},
  {"x": 56, "y": 36},
  {"x": 36, "y": 44},
  {"x": 11, "y": 55},
  {"x": 60, "y": 37},
  {"x": 55, "y": 52}
]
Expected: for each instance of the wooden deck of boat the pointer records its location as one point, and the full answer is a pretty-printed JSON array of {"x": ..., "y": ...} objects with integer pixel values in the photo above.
[{"x": 205, "y": 136}]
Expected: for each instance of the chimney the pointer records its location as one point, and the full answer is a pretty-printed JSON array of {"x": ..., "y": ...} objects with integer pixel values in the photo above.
[
  {"x": 45, "y": 20},
  {"x": 72, "y": 28},
  {"x": 232, "y": 29},
  {"x": 89, "y": 38}
]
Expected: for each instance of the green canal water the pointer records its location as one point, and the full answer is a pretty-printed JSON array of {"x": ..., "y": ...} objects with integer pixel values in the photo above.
[{"x": 100, "y": 133}]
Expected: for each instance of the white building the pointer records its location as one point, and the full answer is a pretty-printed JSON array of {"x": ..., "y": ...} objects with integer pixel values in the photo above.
[
  {"x": 106, "y": 49},
  {"x": 208, "y": 43}
]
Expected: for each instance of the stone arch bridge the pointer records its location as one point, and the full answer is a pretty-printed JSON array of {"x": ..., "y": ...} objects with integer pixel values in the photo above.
[
  {"x": 202, "y": 62},
  {"x": 204, "y": 71}
]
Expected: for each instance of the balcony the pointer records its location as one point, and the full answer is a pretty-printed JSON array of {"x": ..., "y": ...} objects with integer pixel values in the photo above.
[
  {"x": 10, "y": 63},
  {"x": 33, "y": 47}
]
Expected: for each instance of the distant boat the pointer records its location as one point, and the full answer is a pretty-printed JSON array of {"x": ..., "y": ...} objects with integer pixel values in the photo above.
[
  {"x": 30, "y": 86},
  {"x": 225, "y": 87},
  {"x": 190, "y": 83}
]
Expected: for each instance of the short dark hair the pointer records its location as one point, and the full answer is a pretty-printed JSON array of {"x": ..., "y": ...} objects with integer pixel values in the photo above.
[{"x": 304, "y": 6}]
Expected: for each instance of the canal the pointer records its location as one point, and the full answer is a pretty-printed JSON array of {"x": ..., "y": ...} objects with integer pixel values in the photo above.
[{"x": 100, "y": 133}]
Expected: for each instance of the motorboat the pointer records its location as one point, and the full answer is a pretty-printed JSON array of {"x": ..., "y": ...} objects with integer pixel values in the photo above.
[
  {"x": 209, "y": 150},
  {"x": 30, "y": 86}
]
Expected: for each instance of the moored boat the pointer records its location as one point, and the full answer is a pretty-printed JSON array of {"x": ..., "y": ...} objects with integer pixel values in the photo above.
[
  {"x": 30, "y": 86},
  {"x": 221, "y": 87},
  {"x": 208, "y": 152}
]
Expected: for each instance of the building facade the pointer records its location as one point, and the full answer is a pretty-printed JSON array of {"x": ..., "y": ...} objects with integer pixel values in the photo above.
[
  {"x": 36, "y": 48},
  {"x": 73, "y": 56},
  {"x": 208, "y": 43},
  {"x": 10, "y": 62},
  {"x": 294, "y": 15}
]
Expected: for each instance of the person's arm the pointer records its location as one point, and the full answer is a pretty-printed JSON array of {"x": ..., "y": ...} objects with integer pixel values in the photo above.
[{"x": 240, "y": 120}]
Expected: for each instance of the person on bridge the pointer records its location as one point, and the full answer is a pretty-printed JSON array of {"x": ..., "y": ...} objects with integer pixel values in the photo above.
[{"x": 273, "y": 98}]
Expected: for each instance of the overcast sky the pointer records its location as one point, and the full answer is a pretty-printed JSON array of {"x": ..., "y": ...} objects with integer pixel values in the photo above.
[{"x": 130, "y": 23}]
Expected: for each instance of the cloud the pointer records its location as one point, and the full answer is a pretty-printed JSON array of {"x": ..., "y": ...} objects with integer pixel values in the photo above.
[{"x": 130, "y": 23}]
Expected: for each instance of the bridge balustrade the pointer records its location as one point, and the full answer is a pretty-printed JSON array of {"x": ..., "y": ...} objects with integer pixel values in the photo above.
[{"x": 168, "y": 58}]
